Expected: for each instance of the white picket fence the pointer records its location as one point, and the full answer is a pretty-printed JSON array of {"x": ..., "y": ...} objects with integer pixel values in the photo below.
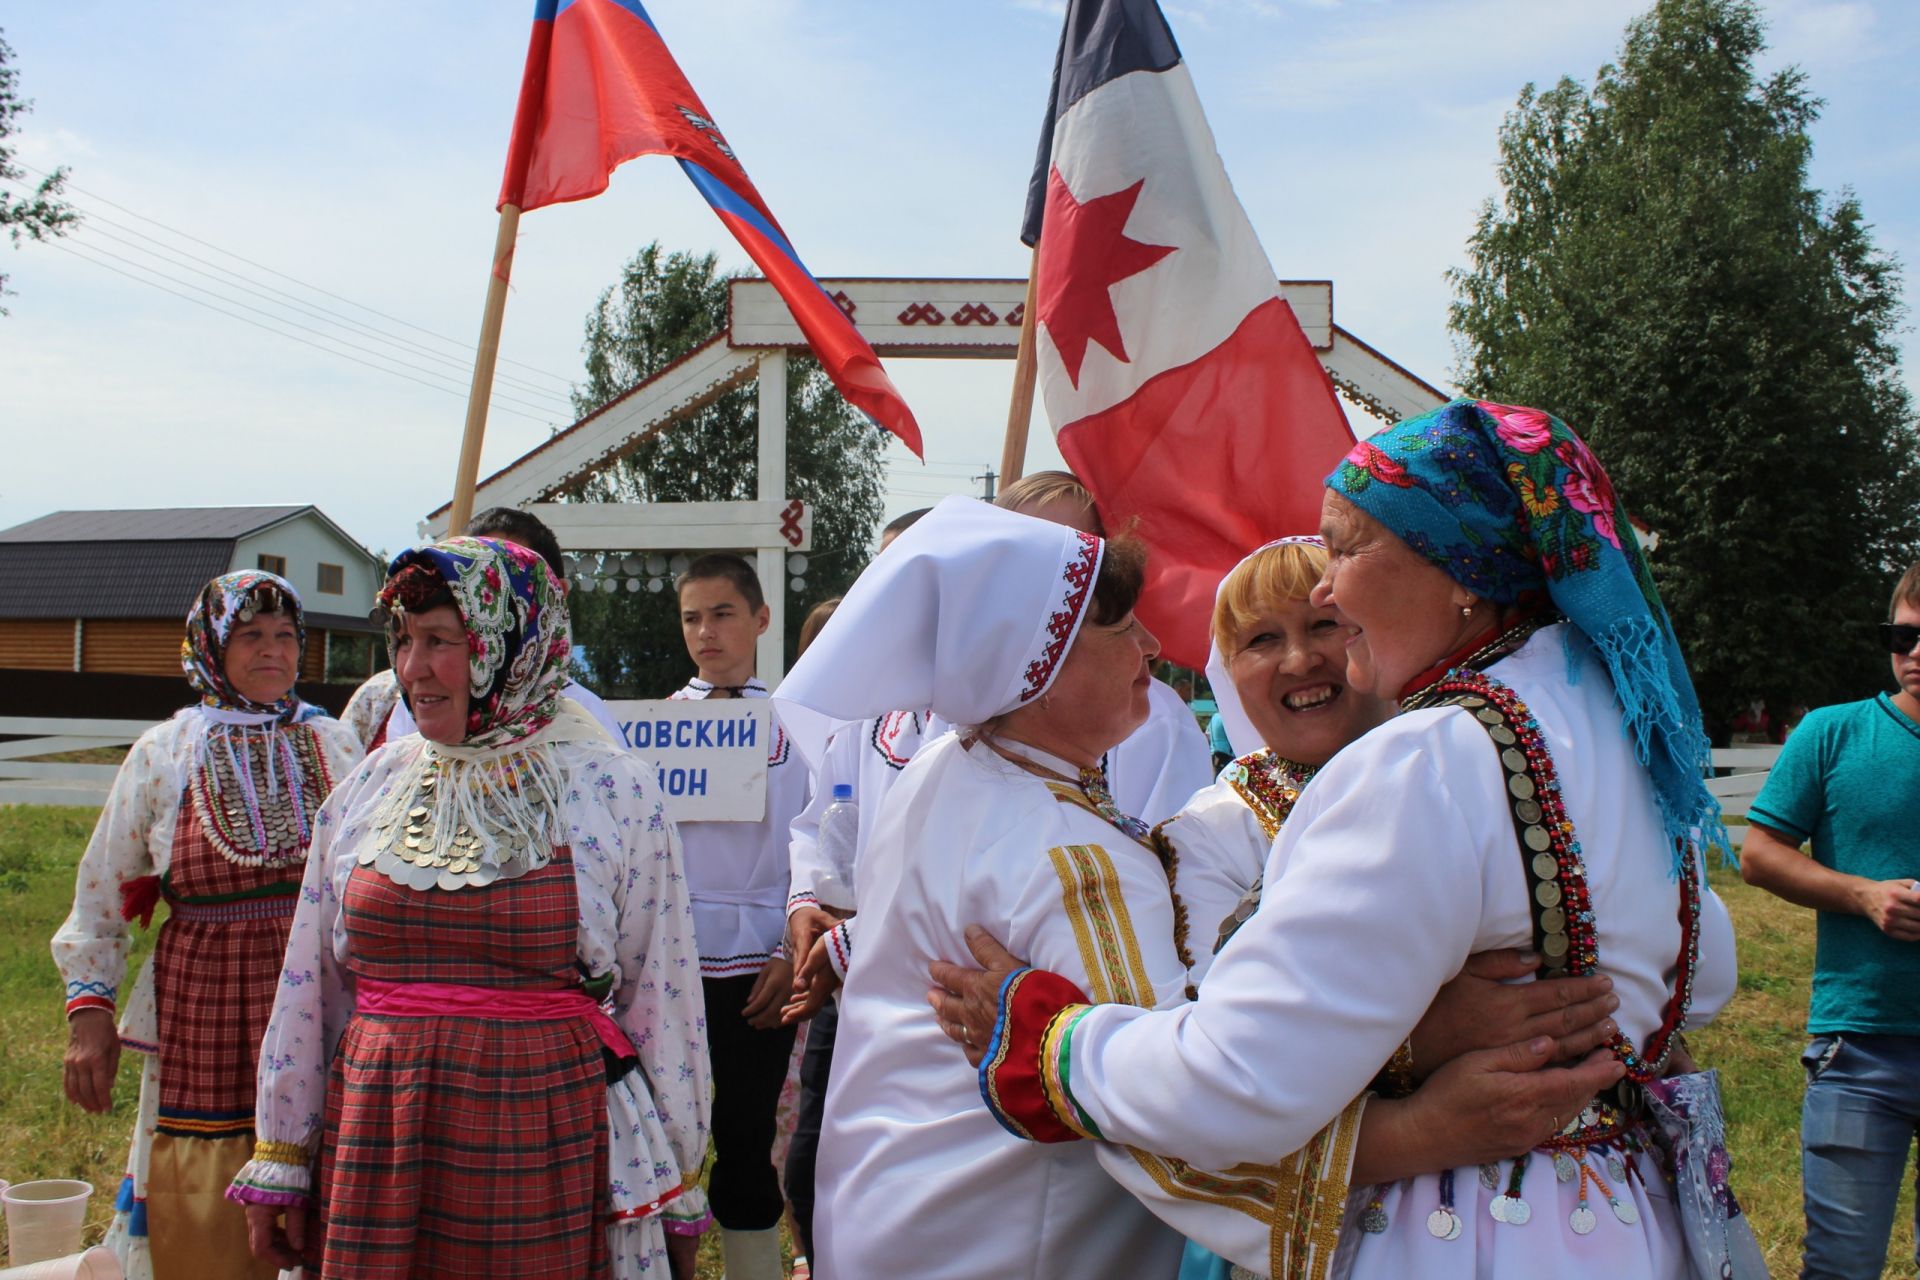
[
  {"x": 31, "y": 782},
  {"x": 24, "y": 781},
  {"x": 1736, "y": 790}
]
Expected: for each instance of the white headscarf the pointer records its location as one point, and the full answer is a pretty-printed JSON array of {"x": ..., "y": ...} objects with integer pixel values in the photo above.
[
  {"x": 1242, "y": 737},
  {"x": 969, "y": 613}
]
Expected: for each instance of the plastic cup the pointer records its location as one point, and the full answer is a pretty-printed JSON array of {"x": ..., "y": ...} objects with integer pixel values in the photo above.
[
  {"x": 44, "y": 1219},
  {"x": 96, "y": 1263}
]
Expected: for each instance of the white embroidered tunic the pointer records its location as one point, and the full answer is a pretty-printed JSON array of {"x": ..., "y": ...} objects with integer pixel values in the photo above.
[
  {"x": 635, "y": 924},
  {"x": 738, "y": 871},
  {"x": 915, "y": 1176},
  {"x": 1398, "y": 861}
]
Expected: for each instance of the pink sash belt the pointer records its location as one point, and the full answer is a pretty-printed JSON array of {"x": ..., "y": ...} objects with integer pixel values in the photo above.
[{"x": 444, "y": 1000}]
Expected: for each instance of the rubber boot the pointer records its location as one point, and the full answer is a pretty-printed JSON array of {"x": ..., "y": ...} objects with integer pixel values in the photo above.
[{"x": 752, "y": 1255}]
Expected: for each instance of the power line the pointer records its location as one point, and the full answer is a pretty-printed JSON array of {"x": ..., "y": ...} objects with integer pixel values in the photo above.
[
  {"x": 496, "y": 397},
  {"x": 54, "y": 244},
  {"x": 239, "y": 281},
  {"x": 467, "y": 347}
]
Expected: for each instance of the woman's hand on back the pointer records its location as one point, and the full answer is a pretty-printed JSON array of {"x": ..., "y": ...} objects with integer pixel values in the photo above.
[
  {"x": 1482, "y": 1008},
  {"x": 1480, "y": 1108}
]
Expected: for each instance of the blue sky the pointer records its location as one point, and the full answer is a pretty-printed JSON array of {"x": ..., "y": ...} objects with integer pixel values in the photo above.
[{"x": 357, "y": 147}]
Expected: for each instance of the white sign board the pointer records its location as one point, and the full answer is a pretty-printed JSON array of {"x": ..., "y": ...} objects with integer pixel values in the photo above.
[{"x": 712, "y": 756}]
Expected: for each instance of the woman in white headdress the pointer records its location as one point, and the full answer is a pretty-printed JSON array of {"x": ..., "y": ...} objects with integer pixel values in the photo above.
[{"x": 1020, "y": 632}]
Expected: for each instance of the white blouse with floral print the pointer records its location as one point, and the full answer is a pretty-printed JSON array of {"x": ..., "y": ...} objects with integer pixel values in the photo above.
[{"x": 635, "y": 923}]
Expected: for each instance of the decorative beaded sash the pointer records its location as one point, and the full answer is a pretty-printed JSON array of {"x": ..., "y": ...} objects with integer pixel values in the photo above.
[{"x": 1562, "y": 908}]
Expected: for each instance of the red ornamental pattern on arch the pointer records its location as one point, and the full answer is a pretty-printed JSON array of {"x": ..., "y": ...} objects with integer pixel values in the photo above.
[
  {"x": 1078, "y": 576},
  {"x": 967, "y": 313}
]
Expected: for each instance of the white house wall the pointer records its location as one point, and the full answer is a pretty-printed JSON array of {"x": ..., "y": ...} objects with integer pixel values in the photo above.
[{"x": 306, "y": 542}]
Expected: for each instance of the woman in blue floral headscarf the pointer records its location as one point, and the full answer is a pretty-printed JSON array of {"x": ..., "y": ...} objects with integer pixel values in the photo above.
[
  {"x": 212, "y": 811},
  {"x": 1541, "y": 788},
  {"x": 440, "y": 1081}
]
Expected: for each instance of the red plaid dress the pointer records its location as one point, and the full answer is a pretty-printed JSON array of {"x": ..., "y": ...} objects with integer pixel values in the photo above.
[
  {"x": 216, "y": 966},
  {"x": 462, "y": 1146}
]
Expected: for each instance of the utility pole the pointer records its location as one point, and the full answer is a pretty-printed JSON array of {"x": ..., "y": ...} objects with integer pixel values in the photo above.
[{"x": 986, "y": 484}]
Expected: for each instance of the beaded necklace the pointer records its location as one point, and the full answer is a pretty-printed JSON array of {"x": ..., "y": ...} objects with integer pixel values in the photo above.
[
  {"x": 257, "y": 804},
  {"x": 1563, "y": 907}
]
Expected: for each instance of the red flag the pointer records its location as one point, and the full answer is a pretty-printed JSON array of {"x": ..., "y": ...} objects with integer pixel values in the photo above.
[
  {"x": 600, "y": 88},
  {"x": 1180, "y": 387}
]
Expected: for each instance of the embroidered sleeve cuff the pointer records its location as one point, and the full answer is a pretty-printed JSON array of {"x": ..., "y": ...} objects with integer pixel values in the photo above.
[
  {"x": 279, "y": 1173},
  {"x": 77, "y": 1003},
  {"x": 82, "y": 994},
  {"x": 801, "y": 898},
  {"x": 1026, "y": 1074},
  {"x": 687, "y": 1214},
  {"x": 840, "y": 950}
]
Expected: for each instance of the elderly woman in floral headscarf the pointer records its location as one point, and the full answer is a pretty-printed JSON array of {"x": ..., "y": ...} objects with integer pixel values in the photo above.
[
  {"x": 213, "y": 812},
  {"x": 1542, "y": 788},
  {"x": 486, "y": 1056}
]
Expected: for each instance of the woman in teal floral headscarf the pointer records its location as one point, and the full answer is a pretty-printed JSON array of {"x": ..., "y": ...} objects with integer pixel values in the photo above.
[
  {"x": 1512, "y": 505},
  {"x": 1541, "y": 788}
]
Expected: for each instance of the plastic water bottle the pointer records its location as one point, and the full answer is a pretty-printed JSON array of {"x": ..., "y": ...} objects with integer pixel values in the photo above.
[{"x": 839, "y": 837}]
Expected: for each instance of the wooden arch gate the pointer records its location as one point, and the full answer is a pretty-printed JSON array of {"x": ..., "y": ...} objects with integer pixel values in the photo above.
[{"x": 902, "y": 318}]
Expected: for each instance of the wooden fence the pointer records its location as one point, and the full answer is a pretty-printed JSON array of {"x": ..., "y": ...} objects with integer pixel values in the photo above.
[{"x": 24, "y": 781}]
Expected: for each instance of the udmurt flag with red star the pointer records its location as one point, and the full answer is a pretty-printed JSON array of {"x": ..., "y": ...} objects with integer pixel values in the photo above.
[{"x": 1179, "y": 385}]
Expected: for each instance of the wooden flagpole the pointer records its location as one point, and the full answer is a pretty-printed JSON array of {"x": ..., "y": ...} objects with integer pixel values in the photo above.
[
  {"x": 1013, "y": 453},
  {"x": 467, "y": 477}
]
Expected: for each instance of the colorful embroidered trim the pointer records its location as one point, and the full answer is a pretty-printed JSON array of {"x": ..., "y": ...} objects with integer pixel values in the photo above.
[
  {"x": 280, "y": 1152},
  {"x": 1269, "y": 783},
  {"x": 1562, "y": 906},
  {"x": 1056, "y": 1070},
  {"x": 90, "y": 995},
  {"x": 205, "y": 1124},
  {"x": 1061, "y": 624},
  {"x": 840, "y": 949},
  {"x": 1010, "y": 1070},
  {"x": 266, "y": 907},
  {"x": 886, "y": 736}
]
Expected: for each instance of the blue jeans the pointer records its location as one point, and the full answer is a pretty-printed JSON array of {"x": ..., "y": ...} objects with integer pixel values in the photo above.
[{"x": 1856, "y": 1128}]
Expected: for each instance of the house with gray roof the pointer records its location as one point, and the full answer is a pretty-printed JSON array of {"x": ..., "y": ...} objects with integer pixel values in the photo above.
[{"x": 108, "y": 591}]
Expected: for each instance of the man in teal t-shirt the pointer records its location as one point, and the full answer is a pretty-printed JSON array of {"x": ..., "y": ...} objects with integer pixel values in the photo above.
[{"x": 1848, "y": 782}]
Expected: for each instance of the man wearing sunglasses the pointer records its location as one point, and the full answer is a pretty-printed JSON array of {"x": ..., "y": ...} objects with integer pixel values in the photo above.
[{"x": 1848, "y": 784}]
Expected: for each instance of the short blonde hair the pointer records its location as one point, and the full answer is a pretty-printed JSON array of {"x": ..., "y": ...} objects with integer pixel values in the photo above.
[
  {"x": 1042, "y": 487},
  {"x": 1908, "y": 590},
  {"x": 1267, "y": 578}
]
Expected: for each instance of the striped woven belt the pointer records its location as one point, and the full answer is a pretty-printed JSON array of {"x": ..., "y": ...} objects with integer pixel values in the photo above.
[{"x": 277, "y": 907}]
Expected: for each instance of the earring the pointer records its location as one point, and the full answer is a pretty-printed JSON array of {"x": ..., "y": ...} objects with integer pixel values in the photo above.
[
  {"x": 1466, "y": 611},
  {"x": 1046, "y": 702}
]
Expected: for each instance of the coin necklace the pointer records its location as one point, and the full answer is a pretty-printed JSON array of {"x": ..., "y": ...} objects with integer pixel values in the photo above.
[
  {"x": 1373, "y": 1220},
  {"x": 1509, "y": 1207},
  {"x": 413, "y": 851},
  {"x": 1443, "y": 1223}
]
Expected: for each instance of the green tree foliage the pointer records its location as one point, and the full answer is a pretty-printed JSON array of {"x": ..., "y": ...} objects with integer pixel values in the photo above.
[
  {"x": 43, "y": 213},
  {"x": 1657, "y": 271},
  {"x": 665, "y": 305}
]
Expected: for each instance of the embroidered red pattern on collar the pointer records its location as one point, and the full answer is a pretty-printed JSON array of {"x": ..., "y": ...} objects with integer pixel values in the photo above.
[{"x": 1078, "y": 576}]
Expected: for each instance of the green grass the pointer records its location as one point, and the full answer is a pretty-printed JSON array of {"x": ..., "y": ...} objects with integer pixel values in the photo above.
[{"x": 1756, "y": 1045}]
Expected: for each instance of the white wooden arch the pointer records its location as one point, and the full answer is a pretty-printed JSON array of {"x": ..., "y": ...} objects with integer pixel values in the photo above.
[{"x": 902, "y": 318}]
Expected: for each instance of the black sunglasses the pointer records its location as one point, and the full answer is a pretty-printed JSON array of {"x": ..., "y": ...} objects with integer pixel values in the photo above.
[{"x": 1899, "y": 637}]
